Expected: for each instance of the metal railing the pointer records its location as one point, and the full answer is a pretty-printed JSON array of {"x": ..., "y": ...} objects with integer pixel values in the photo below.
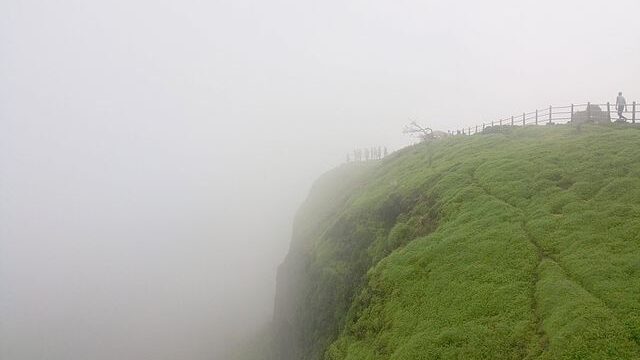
[{"x": 574, "y": 113}]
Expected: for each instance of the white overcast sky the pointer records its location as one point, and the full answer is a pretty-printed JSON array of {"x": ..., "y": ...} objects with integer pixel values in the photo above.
[{"x": 152, "y": 153}]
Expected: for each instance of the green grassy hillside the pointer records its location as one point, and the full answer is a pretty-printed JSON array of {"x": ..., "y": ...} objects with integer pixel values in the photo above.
[{"x": 518, "y": 245}]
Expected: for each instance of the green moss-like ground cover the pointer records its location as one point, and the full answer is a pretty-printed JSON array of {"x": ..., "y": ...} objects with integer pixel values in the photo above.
[
  {"x": 523, "y": 244},
  {"x": 536, "y": 256}
]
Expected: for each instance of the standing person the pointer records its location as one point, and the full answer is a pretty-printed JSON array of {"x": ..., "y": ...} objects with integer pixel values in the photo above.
[{"x": 621, "y": 106}]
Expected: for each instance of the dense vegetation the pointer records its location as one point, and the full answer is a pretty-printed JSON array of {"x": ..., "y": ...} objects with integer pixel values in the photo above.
[{"x": 523, "y": 244}]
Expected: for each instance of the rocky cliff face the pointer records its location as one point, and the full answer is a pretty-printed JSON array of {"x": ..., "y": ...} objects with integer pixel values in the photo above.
[
  {"x": 340, "y": 232},
  {"x": 296, "y": 323}
]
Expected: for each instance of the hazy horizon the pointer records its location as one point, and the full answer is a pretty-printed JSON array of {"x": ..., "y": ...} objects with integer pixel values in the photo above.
[{"x": 153, "y": 154}]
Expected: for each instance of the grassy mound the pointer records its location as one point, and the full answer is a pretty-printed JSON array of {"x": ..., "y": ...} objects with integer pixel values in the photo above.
[{"x": 518, "y": 245}]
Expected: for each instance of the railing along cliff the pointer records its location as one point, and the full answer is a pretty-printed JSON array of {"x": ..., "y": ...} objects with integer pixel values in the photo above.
[{"x": 560, "y": 115}]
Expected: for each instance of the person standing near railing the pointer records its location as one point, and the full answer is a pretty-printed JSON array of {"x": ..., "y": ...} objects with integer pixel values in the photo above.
[{"x": 621, "y": 106}]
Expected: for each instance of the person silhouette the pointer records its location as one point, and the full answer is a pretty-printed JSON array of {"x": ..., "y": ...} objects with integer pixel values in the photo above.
[{"x": 621, "y": 106}]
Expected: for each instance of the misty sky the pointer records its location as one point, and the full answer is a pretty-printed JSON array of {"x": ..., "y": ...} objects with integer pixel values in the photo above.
[{"x": 153, "y": 153}]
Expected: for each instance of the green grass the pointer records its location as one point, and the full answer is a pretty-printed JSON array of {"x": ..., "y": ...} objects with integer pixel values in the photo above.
[{"x": 517, "y": 245}]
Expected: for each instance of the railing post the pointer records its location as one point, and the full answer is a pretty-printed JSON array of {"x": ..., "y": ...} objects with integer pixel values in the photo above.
[
  {"x": 469, "y": 131},
  {"x": 633, "y": 116},
  {"x": 476, "y": 129},
  {"x": 609, "y": 111},
  {"x": 511, "y": 120},
  {"x": 492, "y": 124},
  {"x": 500, "y": 122},
  {"x": 536, "y": 116},
  {"x": 523, "y": 119},
  {"x": 589, "y": 111},
  {"x": 550, "y": 113},
  {"x": 571, "y": 112},
  {"x": 482, "y": 126}
]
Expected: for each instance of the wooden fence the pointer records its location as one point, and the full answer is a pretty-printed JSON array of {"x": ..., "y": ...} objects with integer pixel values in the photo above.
[{"x": 578, "y": 113}]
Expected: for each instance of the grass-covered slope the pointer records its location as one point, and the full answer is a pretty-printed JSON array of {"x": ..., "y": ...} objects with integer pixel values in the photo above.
[{"x": 521, "y": 245}]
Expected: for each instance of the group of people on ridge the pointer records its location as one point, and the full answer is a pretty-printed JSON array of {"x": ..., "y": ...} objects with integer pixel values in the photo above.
[{"x": 374, "y": 153}]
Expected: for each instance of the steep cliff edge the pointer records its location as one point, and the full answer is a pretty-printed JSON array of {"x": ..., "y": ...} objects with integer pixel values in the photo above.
[{"x": 519, "y": 245}]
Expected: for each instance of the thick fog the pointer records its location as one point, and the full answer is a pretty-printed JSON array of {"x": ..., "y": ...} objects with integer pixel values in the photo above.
[{"x": 153, "y": 153}]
